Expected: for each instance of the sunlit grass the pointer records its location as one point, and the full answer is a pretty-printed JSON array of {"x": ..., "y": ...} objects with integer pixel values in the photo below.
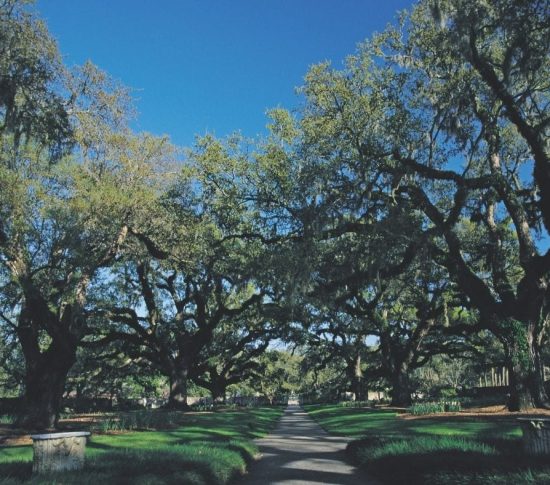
[{"x": 207, "y": 448}]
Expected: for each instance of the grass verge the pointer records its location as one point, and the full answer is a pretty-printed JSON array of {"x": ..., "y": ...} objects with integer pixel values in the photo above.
[
  {"x": 435, "y": 450},
  {"x": 206, "y": 448}
]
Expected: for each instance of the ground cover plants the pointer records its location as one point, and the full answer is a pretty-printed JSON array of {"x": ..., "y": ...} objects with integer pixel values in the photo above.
[
  {"x": 202, "y": 448},
  {"x": 433, "y": 449},
  {"x": 423, "y": 408}
]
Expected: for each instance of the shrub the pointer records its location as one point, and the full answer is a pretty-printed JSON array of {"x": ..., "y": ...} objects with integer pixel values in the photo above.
[
  {"x": 354, "y": 404},
  {"x": 7, "y": 418},
  {"x": 138, "y": 420},
  {"x": 202, "y": 406},
  {"x": 421, "y": 408}
]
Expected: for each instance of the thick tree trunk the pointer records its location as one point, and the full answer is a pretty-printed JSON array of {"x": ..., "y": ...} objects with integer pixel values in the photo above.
[
  {"x": 355, "y": 375},
  {"x": 520, "y": 397},
  {"x": 401, "y": 390},
  {"x": 218, "y": 392},
  {"x": 542, "y": 177},
  {"x": 526, "y": 372},
  {"x": 178, "y": 389},
  {"x": 539, "y": 389},
  {"x": 359, "y": 388},
  {"x": 44, "y": 386}
]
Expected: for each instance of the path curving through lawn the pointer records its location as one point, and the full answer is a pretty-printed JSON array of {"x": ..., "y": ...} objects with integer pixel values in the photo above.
[{"x": 300, "y": 452}]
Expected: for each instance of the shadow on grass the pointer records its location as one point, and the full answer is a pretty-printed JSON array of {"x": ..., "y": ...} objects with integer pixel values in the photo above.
[
  {"x": 209, "y": 448},
  {"x": 355, "y": 422},
  {"x": 163, "y": 466},
  {"x": 447, "y": 460},
  {"x": 121, "y": 467},
  {"x": 16, "y": 471}
]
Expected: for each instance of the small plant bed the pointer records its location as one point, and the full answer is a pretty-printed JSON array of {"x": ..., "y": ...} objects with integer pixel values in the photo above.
[
  {"x": 200, "y": 448},
  {"x": 355, "y": 404},
  {"x": 424, "y": 408},
  {"x": 435, "y": 449}
]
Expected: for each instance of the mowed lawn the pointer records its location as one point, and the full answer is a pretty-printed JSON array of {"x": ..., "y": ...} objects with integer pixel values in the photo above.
[
  {"x": 206, "y": 448},
  {"x": 435, "y": 450}
]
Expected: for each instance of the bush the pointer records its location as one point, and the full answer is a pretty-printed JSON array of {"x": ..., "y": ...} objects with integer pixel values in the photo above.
[
  {"x": 448, "y": 393},
  {"x": 422, "y": 408},
  {"x": 204, "y": 406},
  {"x": 138, "y": 420},
  {"x": 354, "y": 404}
]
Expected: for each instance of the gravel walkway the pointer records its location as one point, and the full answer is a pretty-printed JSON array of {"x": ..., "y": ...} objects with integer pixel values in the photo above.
[{"x": 300, "y": 452}]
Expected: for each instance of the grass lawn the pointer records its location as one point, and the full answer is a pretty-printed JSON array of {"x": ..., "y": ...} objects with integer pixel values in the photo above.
[
  {"x": 206, "y": 448},
  {"x": 435, "y": 450}
]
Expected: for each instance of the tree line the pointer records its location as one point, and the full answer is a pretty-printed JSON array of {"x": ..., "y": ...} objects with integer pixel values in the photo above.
[{"x": 406, "y": 200}]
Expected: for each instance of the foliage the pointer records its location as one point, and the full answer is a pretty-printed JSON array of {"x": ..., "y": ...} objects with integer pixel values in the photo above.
[
  {"x": 354, "y": 404},
  {"x": 7, "y": 419},
  {"x": 389, "y": 225},
  {"x": 277, "y": 376},
  {"x": 421, "y": 408},
  {"x": 139, "y": 420}
]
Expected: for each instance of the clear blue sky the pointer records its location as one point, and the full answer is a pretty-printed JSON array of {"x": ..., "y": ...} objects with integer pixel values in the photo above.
[{"x": 212, "y": 65}]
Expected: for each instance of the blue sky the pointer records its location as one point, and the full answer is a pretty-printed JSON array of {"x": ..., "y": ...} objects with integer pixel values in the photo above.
[{"x": 215, "y": 66}]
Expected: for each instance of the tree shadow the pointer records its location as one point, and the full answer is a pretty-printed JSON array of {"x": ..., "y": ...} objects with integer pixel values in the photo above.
[
  {"x": 17, "y": 470},
  {"x": 502, "y": 458}
]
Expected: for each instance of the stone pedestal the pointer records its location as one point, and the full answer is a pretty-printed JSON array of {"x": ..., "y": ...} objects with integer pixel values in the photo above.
[
  {"x": 55, "y": 452},
  {"x": 536, "y": 435}
]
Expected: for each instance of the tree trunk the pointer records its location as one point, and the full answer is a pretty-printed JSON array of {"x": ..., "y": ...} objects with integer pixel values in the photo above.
[
  {"x": 178, "y": 389},
  {"x": 358, "y": 381},
  {"x": 401, "y": 390},
  {"x": 525, "y": 368},
  {"x": 520, "y": 397},
  {"x": 359, "y": 388},
  {"x": 44, "y": 386},
  {"x": 539, "y": 389},
  {"x": 218, "y": 393}
]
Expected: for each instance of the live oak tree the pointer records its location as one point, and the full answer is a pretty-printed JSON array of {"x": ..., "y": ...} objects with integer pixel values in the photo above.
[
  {"x": 475, "y": 96},
  {"x": 181, "y": 312},
  {"x": 340, "y": 339},
  {"x": 62, "y": 224},
  {"x": 407, "y": 315},
  {"x": 172, "y": 303},
  {"x": 323, "y": 379},
  {"x": 66, "y": 225},
  {"x": 504, "y": 45},
  {"x": 343, "y": 220},
  {"x": 31, "y": 108},
  {"x": 278, "y": 375},
  {"x": 411, "y": 189},
  {"x": 409, "y": 325},
  {"x": 418, "y": 119},
  {"x": 232, "y": 355},
  {"x": 449, "y": 375}
]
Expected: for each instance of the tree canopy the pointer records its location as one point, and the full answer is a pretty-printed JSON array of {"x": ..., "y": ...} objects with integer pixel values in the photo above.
[{"x": 398, "y": 218}]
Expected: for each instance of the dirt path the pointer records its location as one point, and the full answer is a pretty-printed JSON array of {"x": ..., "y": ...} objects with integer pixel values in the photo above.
[{"x": 300, "y": 452}]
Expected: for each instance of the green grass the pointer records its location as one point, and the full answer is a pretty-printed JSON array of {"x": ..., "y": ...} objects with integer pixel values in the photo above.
[
  {"x": 358, "y": 422},
  {"x": 434, "y": 450},
  {"x": 207, "y": 448}
]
